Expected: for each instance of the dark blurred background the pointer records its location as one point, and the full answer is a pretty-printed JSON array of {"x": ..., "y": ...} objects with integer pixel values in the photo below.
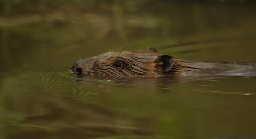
[{"x": 47, "y": 31}]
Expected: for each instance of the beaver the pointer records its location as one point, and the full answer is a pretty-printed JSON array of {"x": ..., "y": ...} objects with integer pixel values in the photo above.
[{"x": 149, "y": 63}]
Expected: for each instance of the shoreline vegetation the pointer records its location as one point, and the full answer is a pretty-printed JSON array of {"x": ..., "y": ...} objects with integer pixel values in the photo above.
[{"x": 18, "y": 12}]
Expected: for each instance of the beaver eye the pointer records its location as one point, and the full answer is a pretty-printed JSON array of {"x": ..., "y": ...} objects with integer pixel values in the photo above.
[{"x": 118, "y": 64}]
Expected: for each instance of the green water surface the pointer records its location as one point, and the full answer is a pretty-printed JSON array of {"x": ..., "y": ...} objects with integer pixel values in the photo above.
[{"x": 39, "y": 98}]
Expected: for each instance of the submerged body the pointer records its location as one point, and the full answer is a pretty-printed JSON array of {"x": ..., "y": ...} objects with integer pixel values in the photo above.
[{"x": 151, "y": 64}]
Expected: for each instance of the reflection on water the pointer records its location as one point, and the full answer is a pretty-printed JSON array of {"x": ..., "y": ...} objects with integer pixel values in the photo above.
[
  {"x": 41, "y": 99},
  {"x": 93, "y": 108}
]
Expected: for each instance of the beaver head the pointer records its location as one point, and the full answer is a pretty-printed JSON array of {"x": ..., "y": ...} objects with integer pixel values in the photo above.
[{"x": 125, "y": 64}]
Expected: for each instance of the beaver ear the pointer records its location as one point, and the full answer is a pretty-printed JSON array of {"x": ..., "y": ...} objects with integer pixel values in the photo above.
[
  {"x": 152, "y": 49},
  {"x": 167, "y": 62}
]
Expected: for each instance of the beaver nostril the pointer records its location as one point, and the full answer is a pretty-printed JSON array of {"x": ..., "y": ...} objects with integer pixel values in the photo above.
[{"x": 79, "y": 71}]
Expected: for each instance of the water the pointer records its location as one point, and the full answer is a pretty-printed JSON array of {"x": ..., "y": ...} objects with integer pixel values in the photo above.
[{"x": 39, "y": 98}]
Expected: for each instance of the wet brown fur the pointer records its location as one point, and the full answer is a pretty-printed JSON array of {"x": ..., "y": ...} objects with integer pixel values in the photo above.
[{"x": 148, "y": 63}]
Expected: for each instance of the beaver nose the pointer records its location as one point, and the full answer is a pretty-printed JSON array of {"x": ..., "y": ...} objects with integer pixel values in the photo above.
[{"x": 77, "y": 68}]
